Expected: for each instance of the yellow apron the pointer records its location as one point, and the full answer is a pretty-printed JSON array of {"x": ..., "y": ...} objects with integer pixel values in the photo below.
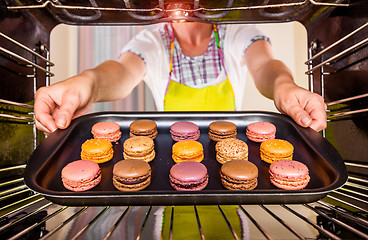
[
  {"x": 179, "y": 97},
  {"x": 219, "y": 97}
]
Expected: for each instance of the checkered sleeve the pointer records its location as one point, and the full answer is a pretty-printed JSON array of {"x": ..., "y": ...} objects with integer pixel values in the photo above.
[
  {"x": 254, "y": 39},
  {"x": 241, "y": 36}
]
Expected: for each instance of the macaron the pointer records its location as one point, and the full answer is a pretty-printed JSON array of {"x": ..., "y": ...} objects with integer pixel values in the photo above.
[
  {"x": 231, "y": 149},
  {"x": 97, "y": 150},
  {"x": 260, "y": 131},
  {"x": 81, "y": 175},
  {"x": 106, "y": 130},
  {"x": 183, "y": 130},
  {"x": 143, "y": 127},
  {"x": 219, "y": 130},
  {"x": 131, "y": 175},
  {"x": 275, "y": 150},
  {"x": 289, "y": 174},
  {"x": 187, "y": 150},
  {"x": 140, "y": 147},
  {"x": 188, "y": 176},
  {"x": 239, "y": 175}
]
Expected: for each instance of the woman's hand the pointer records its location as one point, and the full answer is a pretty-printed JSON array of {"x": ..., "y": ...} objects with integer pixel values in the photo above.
[
  {"x": 274, "y": 80},
  {"x": 56, "y": 105},
  {"x": 306, "y": 108}
]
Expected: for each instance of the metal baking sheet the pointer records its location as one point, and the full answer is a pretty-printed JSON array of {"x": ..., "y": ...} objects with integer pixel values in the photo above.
[{"x": 43, "y": 170}]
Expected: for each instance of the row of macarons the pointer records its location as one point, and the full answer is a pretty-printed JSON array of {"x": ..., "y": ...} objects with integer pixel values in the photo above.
[
  {"x": 135, "y": 175},
  {"x": 184, "y": 130}
]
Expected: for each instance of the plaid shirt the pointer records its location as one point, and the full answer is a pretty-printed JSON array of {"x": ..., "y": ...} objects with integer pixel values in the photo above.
[{"x": 198, "y": 70}]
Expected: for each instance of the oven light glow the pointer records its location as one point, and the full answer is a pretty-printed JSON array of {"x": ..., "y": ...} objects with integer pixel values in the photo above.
[{"x": 178, "y": 11}]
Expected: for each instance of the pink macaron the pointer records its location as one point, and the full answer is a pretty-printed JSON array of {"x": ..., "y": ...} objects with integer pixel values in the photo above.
[
  {"x": 188, "y": 176},
  {"x": 289, "y": 174},
  {"x": 81, "y": 175},
  {"x": 183, "y": 130},
  {"x": 106, "y": 130},
  {"x": 261, "y": 131}
]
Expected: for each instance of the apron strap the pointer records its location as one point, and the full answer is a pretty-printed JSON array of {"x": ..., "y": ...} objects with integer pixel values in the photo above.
[
  {"x": 172, "y": 39},
  {"x": 219, "y": 47}
]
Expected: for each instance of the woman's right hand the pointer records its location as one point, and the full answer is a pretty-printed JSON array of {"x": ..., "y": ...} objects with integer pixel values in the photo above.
[{"x": 56, "y": 105}]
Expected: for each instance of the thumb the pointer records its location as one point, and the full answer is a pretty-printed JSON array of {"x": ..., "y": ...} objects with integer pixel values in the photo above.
[
  {"x": 300, "y": 116},
  {"x": 67, "y": 109},
  {"x": 304, "y": 120},
  {"x": 63, "y": 120}
]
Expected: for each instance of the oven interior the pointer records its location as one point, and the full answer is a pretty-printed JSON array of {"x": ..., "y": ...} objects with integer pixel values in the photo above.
[{"x": 337, "y": 69}]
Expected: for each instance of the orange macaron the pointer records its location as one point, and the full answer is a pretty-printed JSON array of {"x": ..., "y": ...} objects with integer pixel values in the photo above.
[
  {"x": 187, "y": 150},
  {"x": 97, "y": 150},
  {"x": 275, "y": 150}
]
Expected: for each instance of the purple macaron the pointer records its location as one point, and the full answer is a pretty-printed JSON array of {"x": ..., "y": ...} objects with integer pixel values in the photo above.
[
  {"x": 183, "y": 130},
  {"x": 188, "y": 176}
]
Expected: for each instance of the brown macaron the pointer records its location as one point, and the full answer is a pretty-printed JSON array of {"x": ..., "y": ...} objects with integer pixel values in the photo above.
[
  {"x": 141, "y": 148},
  {"x": 231, "y": 149},
  {"x": 131, "y": 175},
  {"x": 143, "y": 127},
  {"x": 239, "y": 175},
  {"x": 220, "y": 130}
]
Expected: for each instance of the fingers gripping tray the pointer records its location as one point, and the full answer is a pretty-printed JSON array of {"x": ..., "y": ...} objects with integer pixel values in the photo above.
[{"x": 43, "y": 170}]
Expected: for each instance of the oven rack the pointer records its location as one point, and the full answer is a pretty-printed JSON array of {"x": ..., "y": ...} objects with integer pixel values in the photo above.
[
  {"x": 19, "y": 113},
  {"x": 336, "y": 56},
  {"x": 48, "y": 220},
  {"x": 26, "y": 109},
  {"x": 336, "y": 108},
  {"x": 346, "y": 37},
  {"x": 26, "y": 62},
  {"x": 158, "y": 12},
  {"x": 339, "y": 110},
  {"x": 24, "y": 112},
  {"x": 128, "y": 4}
]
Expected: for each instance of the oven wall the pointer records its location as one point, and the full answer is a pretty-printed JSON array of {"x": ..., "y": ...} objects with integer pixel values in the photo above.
[
  {"x": 18, "y": 81},
  {"x": 342, "y": 80}
]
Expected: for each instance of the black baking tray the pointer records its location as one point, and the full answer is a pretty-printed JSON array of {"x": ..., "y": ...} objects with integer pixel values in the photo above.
[{"x": 43, "y": 170}]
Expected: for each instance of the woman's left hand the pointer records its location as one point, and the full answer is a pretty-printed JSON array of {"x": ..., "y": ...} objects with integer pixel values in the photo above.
[
  {"x": 274, "y": 80},
  {"x": 306, "y": 108}
]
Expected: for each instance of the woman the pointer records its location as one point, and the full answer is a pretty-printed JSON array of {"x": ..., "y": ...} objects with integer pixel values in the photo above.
[{"x": 56, "y": 105}]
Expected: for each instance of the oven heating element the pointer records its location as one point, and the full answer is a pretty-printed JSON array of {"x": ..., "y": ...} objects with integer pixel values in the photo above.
[{"x": 25, "y": 214}]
